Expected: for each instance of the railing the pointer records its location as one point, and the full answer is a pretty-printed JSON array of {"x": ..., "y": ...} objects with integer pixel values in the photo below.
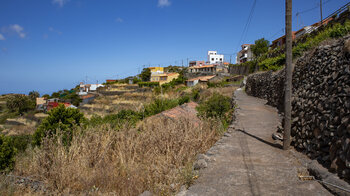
[{"x": 339, "y": 11}]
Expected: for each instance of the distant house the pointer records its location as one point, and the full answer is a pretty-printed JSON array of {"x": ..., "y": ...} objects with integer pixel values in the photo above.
[
  {"x": 40, "y": 103},
  {"x": 196, "y": 63},
  {"x": 86, "y": 88},
  {"x": 215, "y": 58},
  {"x": 164, "y": 77},
  {"x": 156, "y": 70},
  {"x": 40, "y": 100},
  {"x": 53, "y": 100},
  {"x": 204, "y": 68},
  {"x": 110, "y": 81},
  {"x": 51, "y": 105},
  {"x": 245, "y": 54},
  {"x": 195, "y": 81},
  {"x": 279, "y": 42}
]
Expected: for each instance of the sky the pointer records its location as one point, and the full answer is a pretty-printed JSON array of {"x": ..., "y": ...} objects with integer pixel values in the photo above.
[{"x": 50, "y": 45}]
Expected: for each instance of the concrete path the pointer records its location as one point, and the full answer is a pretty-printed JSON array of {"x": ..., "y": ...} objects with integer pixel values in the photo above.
[{"x": 246, "y": 161}]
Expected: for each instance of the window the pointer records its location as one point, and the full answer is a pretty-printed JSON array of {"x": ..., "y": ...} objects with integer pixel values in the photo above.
[
  {"x": 212, "y": 59},
  {"x": 220, "y": 59}
]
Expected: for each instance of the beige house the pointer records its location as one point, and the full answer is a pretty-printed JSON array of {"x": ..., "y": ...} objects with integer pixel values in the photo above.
[
  {"x": 164, "y": 78},
  {"x": 40, "y": 100}
]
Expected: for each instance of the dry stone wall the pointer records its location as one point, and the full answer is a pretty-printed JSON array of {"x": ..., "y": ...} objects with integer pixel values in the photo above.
[{"x": 320, "y": 103}]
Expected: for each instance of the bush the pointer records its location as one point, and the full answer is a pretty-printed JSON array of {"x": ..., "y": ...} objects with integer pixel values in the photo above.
[
  {"x": 159, "y": 105},
  {"x": 215, "y": 107},
  {"x": 7, "y": 153},
  {"x": 21, "y": 142},
  {"x": 195, "y": 94},
  {"x": 124, "y": 116},
  {"x": 184, "y": 99},
  {"x": 60, "y": 119},
  {"x": 339, "y": 30},
  {"x": 148, "y": 84},
  {"x": 274, "y": 63},
  {"x": 20, "y": 103},
  {"x": 136, "y": 80}
]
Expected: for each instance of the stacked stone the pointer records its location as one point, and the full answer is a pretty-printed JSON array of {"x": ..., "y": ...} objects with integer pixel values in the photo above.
[{"x": 320, "y": 103}]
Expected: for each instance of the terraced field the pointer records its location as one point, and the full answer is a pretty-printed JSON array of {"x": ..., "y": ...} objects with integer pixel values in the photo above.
[{"x": 118, "y": 97}]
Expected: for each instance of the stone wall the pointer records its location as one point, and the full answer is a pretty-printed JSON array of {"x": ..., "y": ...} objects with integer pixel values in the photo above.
[
  {"x": 239, "y": 70},
  {"x": 320, "y": 103}
]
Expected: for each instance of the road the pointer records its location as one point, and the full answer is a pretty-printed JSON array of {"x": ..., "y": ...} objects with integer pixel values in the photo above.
[{"x": 246, "y": 161}]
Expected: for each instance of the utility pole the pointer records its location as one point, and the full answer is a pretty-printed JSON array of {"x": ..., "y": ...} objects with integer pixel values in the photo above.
[
  {"x": 321, "y": 12},
  {"x": 288, "y": 82}
]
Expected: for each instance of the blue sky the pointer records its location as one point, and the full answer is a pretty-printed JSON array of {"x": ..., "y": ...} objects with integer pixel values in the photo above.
[{"x": 49, "y": 45}]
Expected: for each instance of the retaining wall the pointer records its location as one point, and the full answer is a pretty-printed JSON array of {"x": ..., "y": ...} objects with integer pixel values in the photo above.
[{"x": 320, "y": 103}]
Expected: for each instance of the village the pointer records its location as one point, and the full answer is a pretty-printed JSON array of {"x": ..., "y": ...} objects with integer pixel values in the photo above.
[
  {"x": 213, "y": 69},
  {"x": 271, "y": 118}
]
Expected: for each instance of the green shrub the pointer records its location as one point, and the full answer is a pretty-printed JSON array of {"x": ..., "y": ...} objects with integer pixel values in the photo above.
[
  {"x": 21, "y": 142},
  {"x": 20, "y": 103},
  {"x": 136, "y": 80},
  {"x": 129, "y": 116},
  {"x": 95, "y": 120},
  {"x": 60, "y": 119},
  {"x": 148, "y": 84},
  {"x": 339, "y": 30},
  {"x": 274, "y": 63},
  {"x": 184, "y": 99},
  {"x": 7, "y": 153},
  {"x": 195, "y": 95},
  {"x": 159, "y": 105},
  {"x": 215, "y": 107}
]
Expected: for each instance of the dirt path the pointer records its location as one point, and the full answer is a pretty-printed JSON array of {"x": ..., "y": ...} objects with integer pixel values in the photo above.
[{"x": 246, "y": 161}]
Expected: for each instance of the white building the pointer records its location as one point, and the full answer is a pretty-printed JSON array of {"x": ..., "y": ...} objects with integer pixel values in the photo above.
[
  {"x": 86, "y": 88},
  {"x": 214, "y": 57}
]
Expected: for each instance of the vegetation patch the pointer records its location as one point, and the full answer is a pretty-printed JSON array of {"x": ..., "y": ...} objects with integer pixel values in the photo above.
[{"x": 334, "y": 31}]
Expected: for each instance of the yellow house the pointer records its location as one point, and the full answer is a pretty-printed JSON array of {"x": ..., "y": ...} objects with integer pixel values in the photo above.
[
  {"x": 164, "y": 78},
  {"x": 158, "y": 70}
]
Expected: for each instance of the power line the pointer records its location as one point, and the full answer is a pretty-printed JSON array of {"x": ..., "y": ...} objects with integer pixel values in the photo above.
[{"x": 246, "y": 27}]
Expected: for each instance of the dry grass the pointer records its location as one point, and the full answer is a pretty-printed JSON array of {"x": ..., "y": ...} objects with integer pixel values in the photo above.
[{"x": 155, "y": 157}]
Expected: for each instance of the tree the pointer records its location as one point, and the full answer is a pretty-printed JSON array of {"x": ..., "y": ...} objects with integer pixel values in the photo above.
[
  {"x": 145, "y": 74},
  {"x": 20, "y": 103},
  {"x": 60, "y": 119},
  {"x": 55, "y": 95},
  {"x": 33, "y": 95},
  {"x": 261, "y": 46},
  {"x": 46, "y": 96}
]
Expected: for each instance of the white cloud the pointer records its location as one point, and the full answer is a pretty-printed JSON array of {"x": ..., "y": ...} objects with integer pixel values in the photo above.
[
  {"x": 17, "y": 29},
  {"x": 2, "y": 37},
  {"x": 120, "y": 20},
  {"x": 164, "y": 3},
  {"x": 54, "y": 30},
  {"x": 60, "y": 3},
  {"x": 14, "y": 29}
]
